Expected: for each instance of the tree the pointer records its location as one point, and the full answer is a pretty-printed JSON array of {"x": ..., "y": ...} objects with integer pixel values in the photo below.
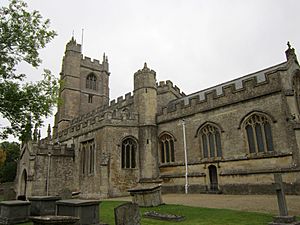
[
  {"x": 22, "y": 35},
  {"x": 9, "y": 169}
]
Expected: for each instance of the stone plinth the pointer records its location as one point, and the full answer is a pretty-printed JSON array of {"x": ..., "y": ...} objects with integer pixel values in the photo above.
[
  {"x": 146, "y": 196},
  {"x": 15, "y": 211},
  {"x": 43, "y": 205},
  {"x": 86, "y": 210},
  {"x": 284, "y": 220},
  {"x": 52, "y": 219}
]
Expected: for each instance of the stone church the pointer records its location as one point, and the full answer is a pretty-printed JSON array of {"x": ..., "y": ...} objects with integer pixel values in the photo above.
[{"x": 230, "y": 138}]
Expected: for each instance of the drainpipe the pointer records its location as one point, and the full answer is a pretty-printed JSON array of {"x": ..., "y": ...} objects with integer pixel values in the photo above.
[
  {"x": 48, "y": 172},
  {"x": 185, "y": 157}
]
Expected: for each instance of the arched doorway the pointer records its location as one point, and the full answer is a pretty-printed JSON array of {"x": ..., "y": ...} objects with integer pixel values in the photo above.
[
  {"x": 213, "y": 178},
  {"x": 23, "y": 185}
]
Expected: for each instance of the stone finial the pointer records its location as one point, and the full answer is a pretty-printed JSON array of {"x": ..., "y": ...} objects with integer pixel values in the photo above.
[
  {"x": 145, "y": 66},
  {"x": 49, "y": 132},
  {"x": 35, "y": 133},
  {"x": 39, "y": 135},
  {"x": 290, "y": 53},
  {"x": 106, "y": 59},
  {"x": 103, "y": 58}
]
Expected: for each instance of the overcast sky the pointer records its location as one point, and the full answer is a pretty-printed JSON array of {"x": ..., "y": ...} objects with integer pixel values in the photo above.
[{"x": 194, "y": 43}]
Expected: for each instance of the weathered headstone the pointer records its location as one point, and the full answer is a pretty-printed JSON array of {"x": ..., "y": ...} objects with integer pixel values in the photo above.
[
  {"x": 65, "y": 193},
  {"x": 54, "y": 220},
  {"x": 43, "y": 205},
  {"x": 146, "y": 195},
  {"x": 283, "y": 218},
  {"x": 13, "y": 212},
  {"x": 86, "y": 210},
  {"x": 9, "y": 194},
  {"x": 127, "y": 214}
]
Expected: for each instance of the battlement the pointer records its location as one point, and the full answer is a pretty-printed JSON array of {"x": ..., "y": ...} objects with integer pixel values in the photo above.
[
  {"x": 121, "y": 101},
  {"x": 73, "y": 46},
  {"x": 246, "y": 87},
  {"x": 91, "y": 63},
  {"x": 165, "y": 86},
  {"x": 57, "y": 149},
  {"x": 96, "y": 120}
]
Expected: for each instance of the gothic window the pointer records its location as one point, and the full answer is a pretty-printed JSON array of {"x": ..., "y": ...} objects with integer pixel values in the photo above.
[
  {"x": 88, "y": 157},
  {"x": 211, "y": 141},
  {"x": 128, "y": 154},
  {"x": 91, "y": 81},
  {"x": 166, "y": 143},
  {"x": 259, "y": 134}
]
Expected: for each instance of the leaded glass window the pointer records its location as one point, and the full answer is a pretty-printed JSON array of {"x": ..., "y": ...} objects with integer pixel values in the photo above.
[
  {"x": 128, "y": 154},
  {"x": 91, "y": 81},
  {"x": 167, "y": 150},
  {"x": 211, "y": 141}
]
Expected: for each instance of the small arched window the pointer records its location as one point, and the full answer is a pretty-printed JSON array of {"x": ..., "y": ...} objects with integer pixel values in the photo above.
[
  {"x": 167, "y": 154},
  {"x": 211, "y": 141},
  {"x": 91, "y": 81},
  {"x": 128, "y": 154},
  {"x": 259, "y": 133}
]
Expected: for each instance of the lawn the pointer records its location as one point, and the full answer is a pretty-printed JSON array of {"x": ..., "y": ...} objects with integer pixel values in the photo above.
[{"x": 193, "y": 215}]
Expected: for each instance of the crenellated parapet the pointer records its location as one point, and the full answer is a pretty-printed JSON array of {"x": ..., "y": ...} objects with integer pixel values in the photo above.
[
  {"x": 247, "y": 87},
  {"x": 167, "y": 86},
  {"x": 92, "y": 64},
  {"x": 117, "y": 113},
  {"x": 46, "y": 148},
  {"x": 122, "y": 101}
]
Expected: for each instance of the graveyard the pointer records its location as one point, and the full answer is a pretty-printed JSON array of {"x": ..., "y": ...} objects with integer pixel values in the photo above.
[{"x": 194, "y": 208}]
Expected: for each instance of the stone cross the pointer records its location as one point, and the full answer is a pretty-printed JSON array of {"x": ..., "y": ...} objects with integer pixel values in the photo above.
[{"x": 280, "y": 195}]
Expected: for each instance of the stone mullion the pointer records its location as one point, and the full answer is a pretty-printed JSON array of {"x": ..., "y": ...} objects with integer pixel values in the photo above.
[
  {"x": 165, "y": 151},
  {"x": 255, "y": 137},
  {"x": 207, "y": 145},
  {"x": 264, "y": 137},
  {"x": 130, "y": 154},
  {"x": 215, "y": 143}
]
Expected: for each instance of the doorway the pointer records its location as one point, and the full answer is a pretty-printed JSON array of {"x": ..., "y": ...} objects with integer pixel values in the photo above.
[{"x": 213, "y": 178}]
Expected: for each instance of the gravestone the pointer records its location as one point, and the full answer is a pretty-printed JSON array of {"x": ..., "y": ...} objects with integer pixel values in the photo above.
[
  {"x": 8, "y": 191},
  {"x": 283, "y": 218},
  {"x": 127, "y": 214},
  {"x": 86, "y": 210},
  {"x": 43, "y": 205},
  {"x": 13, "y": 212},
  {"x": 65, "y": 193},
  {"x": 9, "y": 194},
  {"x": 54, "y": 220},
  {"x": 146, "y": 195}
]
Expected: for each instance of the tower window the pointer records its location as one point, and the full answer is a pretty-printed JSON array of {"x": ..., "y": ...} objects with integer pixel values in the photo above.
[{"x": 91, "y": 81}]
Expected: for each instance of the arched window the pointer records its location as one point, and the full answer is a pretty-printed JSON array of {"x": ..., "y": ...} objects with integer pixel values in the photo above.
[
  {"x": 259, "y": 134},
  {"x": 88, "y": 149},
  {"x": 128, "y": 155},
  {"x": 91, "y": 81},
  {"x": 166, "y": 143},
  {"x": 211, "y": 141}
]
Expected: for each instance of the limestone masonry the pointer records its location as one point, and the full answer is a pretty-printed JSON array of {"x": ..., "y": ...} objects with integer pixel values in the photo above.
[{"x": 237, "y": 134}]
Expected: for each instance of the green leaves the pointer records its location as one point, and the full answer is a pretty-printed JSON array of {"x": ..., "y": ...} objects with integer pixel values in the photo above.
[{"x": 22, "y": 34}]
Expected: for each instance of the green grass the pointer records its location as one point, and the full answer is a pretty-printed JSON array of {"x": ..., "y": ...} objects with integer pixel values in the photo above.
[{"x": 193, "y": 215}]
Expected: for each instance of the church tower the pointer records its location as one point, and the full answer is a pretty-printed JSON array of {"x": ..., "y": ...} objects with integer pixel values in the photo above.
[
  {"x": 145, "y": 101},
  {"x": 84, "y": 85}
]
